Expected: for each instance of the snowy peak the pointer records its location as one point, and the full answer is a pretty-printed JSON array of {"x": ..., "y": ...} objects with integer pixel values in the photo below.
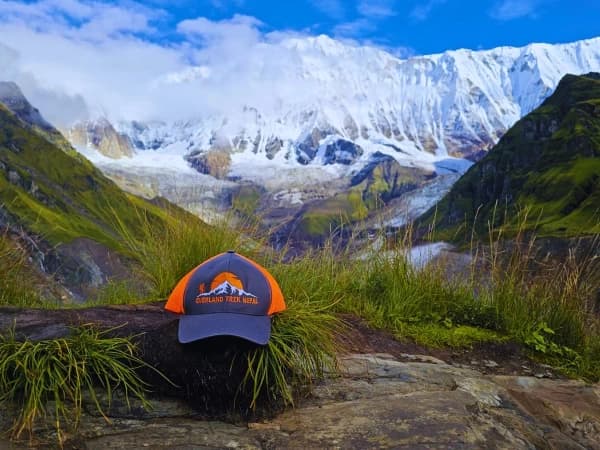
[
  {"x": 317, "y": 101},
  {"x": 226, "y": 288}
]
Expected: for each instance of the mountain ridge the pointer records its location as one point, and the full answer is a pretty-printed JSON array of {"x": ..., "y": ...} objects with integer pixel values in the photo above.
[
  {"x": 547, "y": 166},
  {"x": 425, "y": 108}
]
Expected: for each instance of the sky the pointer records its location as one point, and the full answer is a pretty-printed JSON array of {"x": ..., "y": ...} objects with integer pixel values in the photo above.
[
  {"x": 413, "y": 26},
  {"x": 68, "y": 54}
]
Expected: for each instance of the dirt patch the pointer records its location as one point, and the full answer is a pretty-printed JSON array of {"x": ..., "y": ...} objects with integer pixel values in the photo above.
[{"x": 507, "y": 358}]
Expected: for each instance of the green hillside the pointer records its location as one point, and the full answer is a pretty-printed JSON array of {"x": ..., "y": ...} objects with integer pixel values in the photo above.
[
  {"x": 75, "y": 225},
  {"x": 547, "y": 165},
  {"x": 59, "y": 195}
]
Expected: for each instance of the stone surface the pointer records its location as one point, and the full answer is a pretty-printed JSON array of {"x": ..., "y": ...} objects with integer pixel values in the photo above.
[{"x": 377, "y": 401}]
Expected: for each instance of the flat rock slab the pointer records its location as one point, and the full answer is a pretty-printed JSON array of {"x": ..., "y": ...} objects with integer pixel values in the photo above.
[{"x": 380, "y": 402}]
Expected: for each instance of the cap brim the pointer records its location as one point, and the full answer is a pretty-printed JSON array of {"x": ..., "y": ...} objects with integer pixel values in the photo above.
[{"x": 256, "y": 329}]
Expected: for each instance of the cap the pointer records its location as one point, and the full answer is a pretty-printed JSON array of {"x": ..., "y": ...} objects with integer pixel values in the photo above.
[{"x": 227, "y": 294}]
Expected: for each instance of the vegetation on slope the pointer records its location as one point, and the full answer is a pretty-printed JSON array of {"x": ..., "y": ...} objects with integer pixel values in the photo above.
[
  {"x": 547, "y": 164},
  {"x": 61, "y": 196}
]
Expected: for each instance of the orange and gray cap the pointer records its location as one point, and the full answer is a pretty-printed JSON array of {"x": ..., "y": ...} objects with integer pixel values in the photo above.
[{"x": 227, "y": 294}]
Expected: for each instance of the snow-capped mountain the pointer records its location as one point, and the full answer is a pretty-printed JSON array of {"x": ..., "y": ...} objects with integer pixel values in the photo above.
[
  {"x": 226, "y": 288},
  {"x": 317, "y": 113},
  {"x": 336, "y": 104}
]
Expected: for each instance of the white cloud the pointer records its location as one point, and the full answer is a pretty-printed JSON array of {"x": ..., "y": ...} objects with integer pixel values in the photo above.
[
  {"x": 514, "y": 9},
  {"x": 376, "y": 8},
  {"x": 83, "y": 19},
  {"x": 332, "y": 8},
  {"x": 72, "y": 68},
  {"x": 422, "y": 11},
  {"x": 239, "y": 28},
  {"x": 354, "y": 28},
  {"x": 80, "y": 58}
]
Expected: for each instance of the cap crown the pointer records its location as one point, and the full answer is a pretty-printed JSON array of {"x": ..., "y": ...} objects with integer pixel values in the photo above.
[{"x": 227, "y": 283}]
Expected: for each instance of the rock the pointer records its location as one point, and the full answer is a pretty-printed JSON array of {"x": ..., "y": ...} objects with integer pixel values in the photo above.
[
  {"x": 101, "y": 136},
  {"x": 273, "y": 146},
  {"x": 341, "y": 151},
  {"x": 422, "y": 358},
  {"x": 572, "y": 407},
  {"x": 166, "y": 433},
  {"x": 12, "y": 97},
  {"x": 489, "y": 363},
  {"x": 376, "y": 401},
  {"x": 213, "y": 162}
]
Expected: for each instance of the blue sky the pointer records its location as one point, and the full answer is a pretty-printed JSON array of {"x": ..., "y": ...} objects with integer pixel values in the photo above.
[
  {"x": 404, "y": 27},
  {"x": 419, "y": 26}
]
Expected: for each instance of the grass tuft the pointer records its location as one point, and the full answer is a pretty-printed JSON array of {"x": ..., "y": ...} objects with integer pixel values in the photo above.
[
  {"x": 169, "y": 251},
  {"x": 48, "y": 379},
  {"x": 301, "y": 349},
  {"x": 14, "y": 290}
]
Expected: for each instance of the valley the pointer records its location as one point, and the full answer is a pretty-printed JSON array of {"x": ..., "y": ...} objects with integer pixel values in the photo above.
[{"x": 381, "y": 146}]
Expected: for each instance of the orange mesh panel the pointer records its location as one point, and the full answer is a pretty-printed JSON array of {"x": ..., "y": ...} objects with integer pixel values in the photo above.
[
  {"x": 277, "y": 301},
  {"x": 175, "y": 300}
]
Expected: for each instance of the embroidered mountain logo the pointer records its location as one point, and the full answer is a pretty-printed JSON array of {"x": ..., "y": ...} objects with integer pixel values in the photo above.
[{"x": 227, "y": 292}]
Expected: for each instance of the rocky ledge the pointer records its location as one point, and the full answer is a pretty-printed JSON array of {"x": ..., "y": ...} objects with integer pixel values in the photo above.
[{"x": 378, "y": 401}]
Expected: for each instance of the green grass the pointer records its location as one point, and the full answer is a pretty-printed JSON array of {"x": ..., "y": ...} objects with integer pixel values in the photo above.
[
  {"x": 47, "y": 380},
  {"x": 301, "y": 345},
  {"x": 420, "y": 304},
  {"x": 167, "y": 251},
  {"x": 17, "y": 280},
  {"x": 124, "y": 292},
  {"x": 300, "y": 350}
]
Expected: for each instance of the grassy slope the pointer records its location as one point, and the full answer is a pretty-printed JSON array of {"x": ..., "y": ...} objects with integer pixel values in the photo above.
[
  {"x": 60, "y": 195},
  {"x": 547, "y": 164}
]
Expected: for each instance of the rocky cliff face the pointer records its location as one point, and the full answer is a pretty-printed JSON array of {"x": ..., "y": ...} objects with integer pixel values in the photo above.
[
  {"x": 322, "y": 102},
  {"x": 14, "y": 100},
  {"x": 101, "y": 136}
]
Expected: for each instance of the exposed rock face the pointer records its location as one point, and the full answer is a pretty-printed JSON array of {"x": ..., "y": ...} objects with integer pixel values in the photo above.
[
  {"x": 341, "y": 151},
  {"x": 213, "y": 162},
  {"x": 272, "y": 147},
  {"x": 84, "y": 265},
  {"x": 306, "y": 149},
  {"x": 15, "y": 101},
  {"x": 383, "y": 179},
  {"x": 379, "y": 402},
  {"x": 12, "y": 97},
  {"x": 101, "y": 136}
]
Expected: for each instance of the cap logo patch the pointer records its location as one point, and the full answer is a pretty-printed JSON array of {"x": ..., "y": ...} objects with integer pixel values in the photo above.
[{"x": 227, "y": 292}]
